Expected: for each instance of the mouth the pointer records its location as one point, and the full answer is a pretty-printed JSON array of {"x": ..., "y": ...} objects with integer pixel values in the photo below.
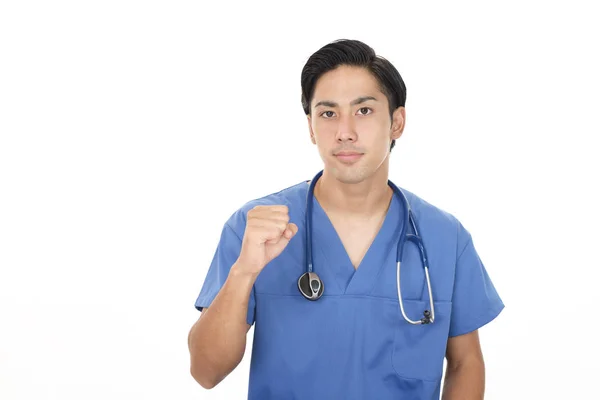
[{"x": 348, "y": 157}]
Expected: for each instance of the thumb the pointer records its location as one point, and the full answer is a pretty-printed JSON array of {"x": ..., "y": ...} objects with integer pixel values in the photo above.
[{"x": 290, "y": 231}]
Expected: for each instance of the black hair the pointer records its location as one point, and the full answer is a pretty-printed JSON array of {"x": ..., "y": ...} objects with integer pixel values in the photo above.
[{"x": 353, "y": 53}]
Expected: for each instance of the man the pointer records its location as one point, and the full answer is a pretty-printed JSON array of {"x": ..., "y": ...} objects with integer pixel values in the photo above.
[{"x": 353, "y": 340}]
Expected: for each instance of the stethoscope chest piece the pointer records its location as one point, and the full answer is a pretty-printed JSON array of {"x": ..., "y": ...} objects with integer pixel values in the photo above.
[{"x": 310, "y": 285}]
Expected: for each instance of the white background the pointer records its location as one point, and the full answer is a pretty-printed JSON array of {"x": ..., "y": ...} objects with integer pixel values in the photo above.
[{"x": 131, "y": 130}]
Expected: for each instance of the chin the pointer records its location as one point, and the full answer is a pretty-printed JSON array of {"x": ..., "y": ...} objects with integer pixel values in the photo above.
[{"x": 350, "y": 174}]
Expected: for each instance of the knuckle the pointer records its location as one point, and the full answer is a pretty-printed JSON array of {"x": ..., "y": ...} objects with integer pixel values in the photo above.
[{"x": 280, "y": 208}]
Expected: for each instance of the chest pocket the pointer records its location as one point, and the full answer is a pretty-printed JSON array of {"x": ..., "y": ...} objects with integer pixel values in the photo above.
[{"x": 419, "y": 350}]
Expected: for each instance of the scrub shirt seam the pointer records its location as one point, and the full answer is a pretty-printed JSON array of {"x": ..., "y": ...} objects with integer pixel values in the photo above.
[
  {"x": 234, "y": 232},
  {"x": 356, "y": 296},
  {"x": 464, "y": 248}
]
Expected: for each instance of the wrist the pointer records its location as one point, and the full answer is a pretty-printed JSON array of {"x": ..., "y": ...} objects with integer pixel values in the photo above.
[{"x": 241, "y": 271}]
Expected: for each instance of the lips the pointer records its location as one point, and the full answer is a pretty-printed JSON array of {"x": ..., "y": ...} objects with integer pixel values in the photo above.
[{"x": 348, "y": 157}]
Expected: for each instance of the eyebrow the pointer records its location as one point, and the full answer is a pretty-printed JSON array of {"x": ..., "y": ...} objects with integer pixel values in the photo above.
[{"x": 360, "y": 100}]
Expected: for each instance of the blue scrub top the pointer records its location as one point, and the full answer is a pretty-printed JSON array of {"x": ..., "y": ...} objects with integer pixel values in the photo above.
[{"x": 353, "y": 343}]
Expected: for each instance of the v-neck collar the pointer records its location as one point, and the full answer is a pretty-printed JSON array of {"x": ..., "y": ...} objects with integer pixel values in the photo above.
[{"x": 337, "y": 262}]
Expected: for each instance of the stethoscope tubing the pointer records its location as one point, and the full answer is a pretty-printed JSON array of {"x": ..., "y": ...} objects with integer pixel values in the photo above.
[{"x": 305, "y": 282}]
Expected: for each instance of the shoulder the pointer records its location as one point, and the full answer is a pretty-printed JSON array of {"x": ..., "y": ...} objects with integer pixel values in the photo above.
[
  {"x": 432, "y": 217},
  {"x": 294, "y": 197}
]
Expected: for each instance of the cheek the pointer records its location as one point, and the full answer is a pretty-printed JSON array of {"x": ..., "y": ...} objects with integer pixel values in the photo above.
[
  {"x": 372, "y": 131},
  {"x": 321, "y": 127},
  {"x": 324, "y": 134}
]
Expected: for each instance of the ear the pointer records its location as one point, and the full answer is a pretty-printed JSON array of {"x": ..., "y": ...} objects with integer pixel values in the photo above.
[
  {"x": 398, "y": 122},
  {"x": 312, "y": 134}
]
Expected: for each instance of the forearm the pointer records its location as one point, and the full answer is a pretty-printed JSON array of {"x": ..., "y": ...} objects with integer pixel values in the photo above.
[
  {"x": 465, "y": 381},
  {"x": 217, "y": 341}
]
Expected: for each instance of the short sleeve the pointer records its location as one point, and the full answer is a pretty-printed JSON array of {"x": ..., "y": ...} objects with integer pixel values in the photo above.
[
  {"x": 475, "y": 301},
  {"x": 225, "y": 256}
]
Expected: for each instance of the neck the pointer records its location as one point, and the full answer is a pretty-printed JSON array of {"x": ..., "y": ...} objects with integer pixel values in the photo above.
[{"x": 367, "y": 198}]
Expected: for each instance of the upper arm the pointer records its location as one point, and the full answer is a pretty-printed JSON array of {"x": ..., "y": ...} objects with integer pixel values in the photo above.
[
  {"x": 248, "y": 326},
  {"x": 464, "y": 348},
  {"x": 475, "y": 301},
  {"x": 226, "y": 254}
]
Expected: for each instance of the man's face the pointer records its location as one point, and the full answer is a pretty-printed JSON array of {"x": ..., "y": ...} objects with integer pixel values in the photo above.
[{"x": 350, "y": 123}]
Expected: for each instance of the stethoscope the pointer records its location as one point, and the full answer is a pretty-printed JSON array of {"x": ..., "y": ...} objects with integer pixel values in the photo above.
[{"x": 311, "y": 286}]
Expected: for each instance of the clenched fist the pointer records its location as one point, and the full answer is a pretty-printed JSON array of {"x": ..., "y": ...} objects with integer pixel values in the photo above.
[{"x": 268, "y": 232}]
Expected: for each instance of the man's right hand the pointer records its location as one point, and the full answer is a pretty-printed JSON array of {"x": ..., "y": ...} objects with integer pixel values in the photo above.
[{"x": 268, "y": 232}]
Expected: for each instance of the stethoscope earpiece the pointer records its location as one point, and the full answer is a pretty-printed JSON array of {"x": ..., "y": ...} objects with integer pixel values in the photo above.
[{"x": 310, "y": 286}]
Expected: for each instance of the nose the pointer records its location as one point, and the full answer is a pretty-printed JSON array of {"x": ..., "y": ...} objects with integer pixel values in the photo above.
[{"x": 346, "y": 130}]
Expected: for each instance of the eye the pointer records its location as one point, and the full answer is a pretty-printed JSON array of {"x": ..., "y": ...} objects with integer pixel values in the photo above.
[
  {"x": 364, "y": 110},
  {"x": 326, "y": 112}
]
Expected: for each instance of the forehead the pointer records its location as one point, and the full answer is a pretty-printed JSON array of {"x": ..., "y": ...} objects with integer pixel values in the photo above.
[{"x": 346, "y": 83}]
